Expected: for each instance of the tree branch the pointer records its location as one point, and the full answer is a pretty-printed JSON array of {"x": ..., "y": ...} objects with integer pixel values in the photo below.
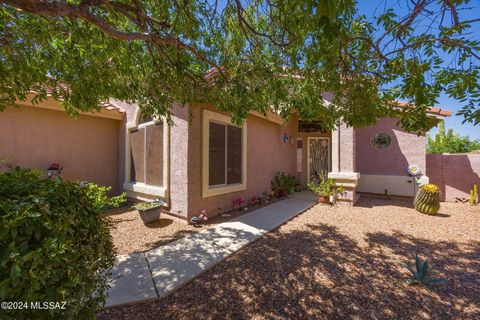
[{"x": 57, "y": 9}]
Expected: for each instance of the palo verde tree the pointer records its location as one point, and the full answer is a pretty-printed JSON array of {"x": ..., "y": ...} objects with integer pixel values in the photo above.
[{"x": 243, "y": 55}]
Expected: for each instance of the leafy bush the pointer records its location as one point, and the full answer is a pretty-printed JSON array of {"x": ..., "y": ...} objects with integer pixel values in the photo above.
[
  {"x": 54, "y": 246},
  {"x": 283, "y": 183},
  {"x": 98, "y": 197},
  {"x": 325, "y": 188},
  {"x": 450, "y": 142}
]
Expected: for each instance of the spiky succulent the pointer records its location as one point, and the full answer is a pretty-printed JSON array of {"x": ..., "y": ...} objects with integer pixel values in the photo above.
[
  {"x": 421, "y": 273},
  {"x": 427, "y": 199}
]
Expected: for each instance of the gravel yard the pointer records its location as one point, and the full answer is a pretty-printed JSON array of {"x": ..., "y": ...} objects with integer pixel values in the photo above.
[
  {"x": 131, "y": 235},
  {"x": 339, "y": 263}
]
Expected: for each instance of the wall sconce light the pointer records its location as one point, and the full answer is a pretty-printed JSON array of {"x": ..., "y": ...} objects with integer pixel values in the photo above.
[{"x": 285, "y": 138}]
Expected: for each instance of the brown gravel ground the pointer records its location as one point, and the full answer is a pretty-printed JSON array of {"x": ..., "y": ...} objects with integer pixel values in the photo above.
[
  {"x": 129, "y": 234},
  {"x": 339, "y": 263}
]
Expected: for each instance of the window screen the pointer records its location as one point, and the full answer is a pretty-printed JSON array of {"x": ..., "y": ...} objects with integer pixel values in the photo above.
[
  {"x": 310, "y": 126},
  {"x": 137, "y": 142},
  {"x": 225, "y": 154},
  {"x": 216, "y": 154},
  {"x": 146, "y": 155},
  {"x": 154, "y": 155},
  {"x": 234, "y": 155}
]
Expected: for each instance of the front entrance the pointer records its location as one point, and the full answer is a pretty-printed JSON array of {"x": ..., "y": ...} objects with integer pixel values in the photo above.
[{"x": 318, "y": 155}]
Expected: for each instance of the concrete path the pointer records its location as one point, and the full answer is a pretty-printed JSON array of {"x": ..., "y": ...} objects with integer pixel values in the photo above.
[{"x": 154, "y": 274}]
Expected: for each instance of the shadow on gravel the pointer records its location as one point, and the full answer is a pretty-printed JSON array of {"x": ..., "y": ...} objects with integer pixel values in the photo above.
[{"x": 318, "y": 273}]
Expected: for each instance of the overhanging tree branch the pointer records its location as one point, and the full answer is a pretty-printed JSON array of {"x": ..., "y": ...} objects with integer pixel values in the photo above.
[{"x": 56, "y": 8}]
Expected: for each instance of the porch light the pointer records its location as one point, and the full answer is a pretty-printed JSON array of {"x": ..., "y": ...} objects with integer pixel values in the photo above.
[{"x": 285, "y": 138}]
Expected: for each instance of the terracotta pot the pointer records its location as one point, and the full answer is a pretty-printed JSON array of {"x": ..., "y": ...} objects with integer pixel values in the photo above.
[
  {"x": 324, "y": 199},
  {"x": 283, "y": 193}
]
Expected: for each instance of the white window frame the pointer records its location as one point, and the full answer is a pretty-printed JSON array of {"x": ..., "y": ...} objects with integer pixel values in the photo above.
[
  {"x": 207, "y": 190},
  {"x": 141, "y": 190}
]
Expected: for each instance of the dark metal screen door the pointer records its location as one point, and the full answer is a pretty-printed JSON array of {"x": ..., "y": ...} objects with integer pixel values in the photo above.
[{"x": 318, "y": 158}]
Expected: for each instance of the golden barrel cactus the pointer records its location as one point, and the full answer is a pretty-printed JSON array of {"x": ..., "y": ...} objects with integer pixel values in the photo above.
[{"x": 427, "y": 199}]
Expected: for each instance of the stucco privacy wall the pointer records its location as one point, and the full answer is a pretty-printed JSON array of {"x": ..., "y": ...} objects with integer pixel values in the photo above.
[
  {"x": 266, "y": 154},
  {"x": 455, "y": 174},
  {"x": 386, "y": 169},
  {"x": 86, "y": 147}
]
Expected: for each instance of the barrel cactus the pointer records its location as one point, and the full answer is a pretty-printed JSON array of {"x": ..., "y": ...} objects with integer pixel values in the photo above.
[{"x": 428, "y": 199}]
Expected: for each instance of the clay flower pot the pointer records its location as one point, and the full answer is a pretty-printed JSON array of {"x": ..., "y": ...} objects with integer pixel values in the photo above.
[
  {"x": 324, "y": 199},
  {"x": 283, "y": 193}
]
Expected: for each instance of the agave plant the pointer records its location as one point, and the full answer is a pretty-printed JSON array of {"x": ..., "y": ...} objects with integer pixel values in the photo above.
[{"x": 421, "y": 273}]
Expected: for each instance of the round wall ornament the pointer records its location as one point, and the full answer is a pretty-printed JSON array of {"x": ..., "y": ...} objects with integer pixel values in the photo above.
[{"x": 381, "y": 140}]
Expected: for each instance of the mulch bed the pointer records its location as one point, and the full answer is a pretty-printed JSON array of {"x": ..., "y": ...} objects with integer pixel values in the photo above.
[
  {"x": 130, "y": 235},
  {"x": 339, "y": 263}
]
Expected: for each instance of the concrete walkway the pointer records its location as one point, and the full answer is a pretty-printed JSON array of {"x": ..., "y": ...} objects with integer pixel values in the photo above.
[{"x": 154, "y": 274}]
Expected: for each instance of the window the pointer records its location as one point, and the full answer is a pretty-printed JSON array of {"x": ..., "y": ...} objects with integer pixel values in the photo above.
[
  {"x": 224, "y": 155},
  {"x": 146, "y": 151},
  {"x": 146, "y": 158},
  {"x": 310, "y": 126}
]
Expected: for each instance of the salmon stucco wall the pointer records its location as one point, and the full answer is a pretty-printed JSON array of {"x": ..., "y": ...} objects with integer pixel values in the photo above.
[
  {"x": 86, "y": 147},
  {"x": 455, "y": 174},
  {"x": 179, "y": 169},
  {"x": 386, "y": 170},
  {"x": 405, "y": 149},
  {"x": 266, "y": 154}
]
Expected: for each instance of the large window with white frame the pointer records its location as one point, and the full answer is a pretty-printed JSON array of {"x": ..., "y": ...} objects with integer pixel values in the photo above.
[
  {"x": 146, "y": 158},
  {"x": 224, "y": 155},
  {"x": 146, "y": 152}
]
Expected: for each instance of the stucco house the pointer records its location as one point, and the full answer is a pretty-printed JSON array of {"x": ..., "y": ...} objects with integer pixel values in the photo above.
[{"x": 202, "y": 162}]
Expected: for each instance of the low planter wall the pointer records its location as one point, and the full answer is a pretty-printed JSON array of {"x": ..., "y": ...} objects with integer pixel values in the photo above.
[{"x": 455, "y": 174}]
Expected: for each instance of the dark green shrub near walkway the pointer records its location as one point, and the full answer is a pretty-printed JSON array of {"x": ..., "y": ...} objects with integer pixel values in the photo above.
[{"x": 54, "y": 247}]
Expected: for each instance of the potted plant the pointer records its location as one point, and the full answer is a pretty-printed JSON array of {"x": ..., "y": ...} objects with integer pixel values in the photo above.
[
  {"x": 325, "y": 190},
  {"x": 268, "y": 195},
  {"x": 197, "y": 220},
  {"x": 280, "y": 184},
  {"x": 149, "y": 211}
]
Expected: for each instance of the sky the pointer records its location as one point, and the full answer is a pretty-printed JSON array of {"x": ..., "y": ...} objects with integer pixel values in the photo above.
[{"x": 368, "y": 8}]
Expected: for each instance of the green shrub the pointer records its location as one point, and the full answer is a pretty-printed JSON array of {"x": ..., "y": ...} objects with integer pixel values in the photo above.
[
  {"x": 54, "y": 247},
  {"x": 98, "y": 197},
  {"x": 282, "y": 182},
  {"x": 325, "y": 188}
]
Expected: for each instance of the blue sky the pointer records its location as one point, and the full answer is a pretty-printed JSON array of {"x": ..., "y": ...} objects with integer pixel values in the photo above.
[{"x": 368, "y": 7}]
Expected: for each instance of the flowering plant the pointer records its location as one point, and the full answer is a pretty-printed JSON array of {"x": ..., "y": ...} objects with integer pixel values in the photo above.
[
  {"x": 430, "y": 188},
  {"x": 203, "y": 215},
  {"x": 238, "y": 203}
]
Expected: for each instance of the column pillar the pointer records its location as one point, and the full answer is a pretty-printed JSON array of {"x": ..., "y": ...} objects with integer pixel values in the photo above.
[{"x": 343, "y": 163}]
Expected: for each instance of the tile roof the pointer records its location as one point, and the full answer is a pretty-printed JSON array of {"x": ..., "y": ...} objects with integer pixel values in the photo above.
[{"x": 431, "y": 110}]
